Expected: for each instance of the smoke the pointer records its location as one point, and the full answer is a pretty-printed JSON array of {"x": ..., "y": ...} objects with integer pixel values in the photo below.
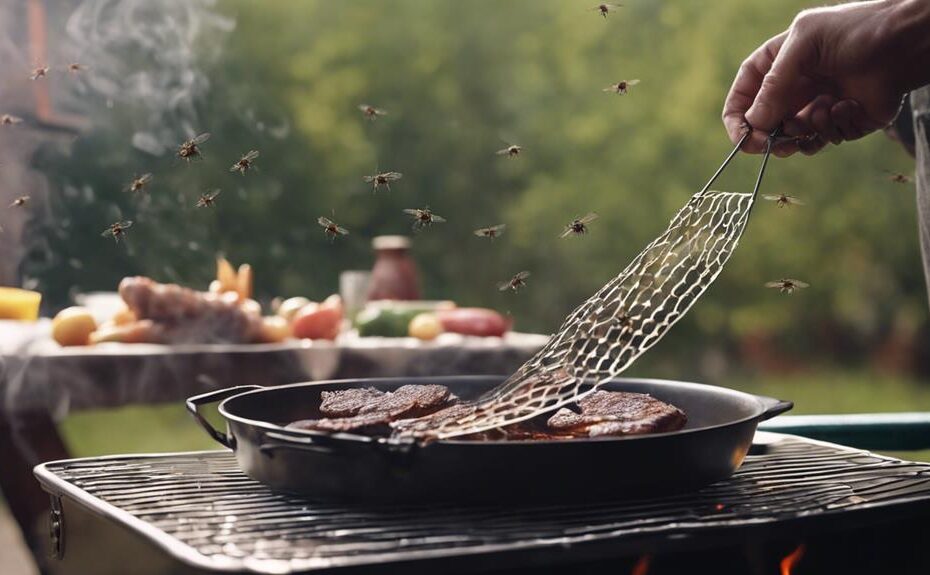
[
  {"x": 144, "y": 56},
  {"x": 147, "y": 55}
]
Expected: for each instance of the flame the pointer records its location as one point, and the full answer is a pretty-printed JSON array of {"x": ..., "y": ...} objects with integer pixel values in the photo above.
[
  {"x": 792, "y": 559},
  {"x": 642, "y": 565}
]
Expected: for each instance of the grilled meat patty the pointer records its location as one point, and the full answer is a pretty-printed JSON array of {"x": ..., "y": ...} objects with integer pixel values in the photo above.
[
  {"x": 617, "y": 413},
  {"x": 603, "y": 413},
  {"x": 370, "y": 410}
]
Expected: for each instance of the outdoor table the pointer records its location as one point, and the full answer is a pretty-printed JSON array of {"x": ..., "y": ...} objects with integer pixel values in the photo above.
[{"x": 41, "y": 382}]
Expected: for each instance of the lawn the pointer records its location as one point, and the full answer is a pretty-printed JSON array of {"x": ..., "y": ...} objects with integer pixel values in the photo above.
[{"x": 170, "y": 428}]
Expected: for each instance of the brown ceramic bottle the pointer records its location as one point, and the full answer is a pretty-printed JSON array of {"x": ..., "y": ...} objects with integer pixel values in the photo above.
[{"x": 394, "y": 275}]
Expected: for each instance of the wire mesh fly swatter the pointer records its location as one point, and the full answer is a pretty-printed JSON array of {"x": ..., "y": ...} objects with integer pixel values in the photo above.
[{"x": 630, "y": 314}]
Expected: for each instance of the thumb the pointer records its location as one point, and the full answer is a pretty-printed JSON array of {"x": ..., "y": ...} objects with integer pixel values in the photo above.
[{"x": 780, "y": 92}]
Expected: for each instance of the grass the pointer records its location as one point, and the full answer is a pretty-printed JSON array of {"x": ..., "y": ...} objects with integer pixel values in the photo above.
[{"x": 168, "y": 428}]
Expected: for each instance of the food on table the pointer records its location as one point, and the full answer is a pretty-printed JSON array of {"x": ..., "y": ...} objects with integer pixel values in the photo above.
[
  {"x": 319, "y": 320},
  {"x": 473, "y": 321},
  {"x": 73, "y": 326},
  {"x": 137, "y": 331},
  {"x": 604, "y": 413},
  {"x": 372, "y": 410},
  {"x": 617, "y": 413},
  {"x": 425, "y": 326},
  {"x": 289, "y": 307},
  {"x": 183, "y": 315},
  {"x": 274, "y": 329},
  {"x": 19, "y": 304},
  {"x": 385, "y": 321}
]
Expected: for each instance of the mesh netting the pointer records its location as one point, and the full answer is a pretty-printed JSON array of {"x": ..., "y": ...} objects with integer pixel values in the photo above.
[{"x": 630, "y": 314}]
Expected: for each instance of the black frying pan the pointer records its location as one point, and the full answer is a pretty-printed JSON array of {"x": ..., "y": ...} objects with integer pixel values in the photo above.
[{"x": 721, "y": 424}]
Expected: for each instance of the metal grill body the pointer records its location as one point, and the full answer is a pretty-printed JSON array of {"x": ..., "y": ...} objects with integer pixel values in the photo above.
[{"x": 202, "y": 510}]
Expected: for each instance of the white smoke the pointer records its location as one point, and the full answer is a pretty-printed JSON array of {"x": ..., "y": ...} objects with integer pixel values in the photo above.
[{"x": 147, "y": 54}]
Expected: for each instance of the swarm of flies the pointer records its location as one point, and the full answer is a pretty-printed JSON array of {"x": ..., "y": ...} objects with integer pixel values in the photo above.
[
  {"x": 783, "y": 200},
  {"x": 139, "y": 183},
  {"x": 371, "y": 112},
  {"x": 331, "y": 228},
  {"x": 787, "y": 285},
  {"x": 491, "y": 232},
  {"x": 245, "y": 163},
  {"x": 898, "y": 177},
  {"x": 9, "y": 120},
  {"x": 190, "y": 150},
  {"x": 117, "y": 230},
  {"x": 383, "y": 179},
  {"x": 207, "y": 199},
  {"x": 511, "y": 151},
  {"x": 578, "y": 226},
  {"x": 621, "y": 87},
  {"x": 605, "y": 9},
  {"x": 39, "y": 72},
  {"x": 516, "y": 283},
  {"x": 423, "y": 218},
  {"x": 19, "y": 202}
]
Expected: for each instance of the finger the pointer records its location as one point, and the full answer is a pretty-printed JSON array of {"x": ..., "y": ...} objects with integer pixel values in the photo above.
[
  {"x": 819, "y": 112},
  {"x": 785, "y": 149},
  {"x": 743, "y": 92},
  {"x": 850, "y": 120},
  {"x": 784, "y": 90},
  {"x": 810, "y": 146}
]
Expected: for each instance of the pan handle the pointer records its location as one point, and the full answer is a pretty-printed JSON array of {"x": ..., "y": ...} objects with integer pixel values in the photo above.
[
  {"x": 773, "y": 407},
  {"x": 194, "y": 403},
  {"x": 316, "y": 444}
]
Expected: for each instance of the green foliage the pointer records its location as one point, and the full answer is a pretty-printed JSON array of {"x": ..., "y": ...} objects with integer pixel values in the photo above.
[{"x": 460, "y": 80}]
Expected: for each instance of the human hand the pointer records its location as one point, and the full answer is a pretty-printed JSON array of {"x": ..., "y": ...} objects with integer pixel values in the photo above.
[{"x": 836, "y": 74}]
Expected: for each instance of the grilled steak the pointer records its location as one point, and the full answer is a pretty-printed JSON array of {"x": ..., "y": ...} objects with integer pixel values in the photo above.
[
  {"x": 348, "y": 402},
  {"x": 603, "y": 413},
  {"x": 370, "y": 410},
  {"x": 617, "y": 413}
]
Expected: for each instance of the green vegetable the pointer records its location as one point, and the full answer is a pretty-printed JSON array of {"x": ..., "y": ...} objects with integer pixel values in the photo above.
[{"x": 385, "y": 322}]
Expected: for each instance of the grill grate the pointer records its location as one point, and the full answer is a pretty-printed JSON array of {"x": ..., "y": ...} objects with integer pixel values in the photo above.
[{"x": 204, "y": 510}]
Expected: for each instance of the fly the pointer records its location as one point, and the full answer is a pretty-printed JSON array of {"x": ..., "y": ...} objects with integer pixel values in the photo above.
[
  {"x": 207, "y": 199},
  {"x": 190, "y": 149},
  {"x": 511, "y": 151},
  {"x": 578, "y": 226},
  {"x": 606, "y": 8},
  {"x": 331, "y": 228},
  {"x": 117, "y": 230},
  {"x": 621, "y": 87},
  {"x": 138, "y": 183},
  {"x": 423, "y": 218},
  {"x": 371, "y": 112},
  {"x": 782, "y": 200},
  {"x": 516, "y": 283},
  {"x": 9, "y": 120},
  {"x": 40, "y": 72},
  {"x": 787, "y": 285},
  {"x": 491, "y": 232},
  {"x": 383, "y": 179},
  {"x": 245, "y": 163},
  {"x": 20, "y": 202}
]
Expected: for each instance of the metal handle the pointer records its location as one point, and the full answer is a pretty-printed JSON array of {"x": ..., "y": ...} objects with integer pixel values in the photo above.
[
  {"x": 879, "y": 431},
  {"x": 314, "y": 443},
  {"x": 773, "y": 407},
  {"x": 194, "y": 403}
]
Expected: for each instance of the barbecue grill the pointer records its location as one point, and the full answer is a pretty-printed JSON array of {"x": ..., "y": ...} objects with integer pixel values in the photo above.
[{"x": 832, "y": 508}]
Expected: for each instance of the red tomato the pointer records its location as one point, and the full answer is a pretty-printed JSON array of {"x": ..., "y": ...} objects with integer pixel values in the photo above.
[
  {"x": 316, "y": 321},
  {"x": 473, "y": 321}
]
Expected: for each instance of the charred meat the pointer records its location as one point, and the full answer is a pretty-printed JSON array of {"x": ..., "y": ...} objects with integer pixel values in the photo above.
[{"x": 617, "y": 413}]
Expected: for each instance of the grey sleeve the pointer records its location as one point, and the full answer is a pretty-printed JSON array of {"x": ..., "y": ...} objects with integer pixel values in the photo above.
[{"x": 920, "y": 109}]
